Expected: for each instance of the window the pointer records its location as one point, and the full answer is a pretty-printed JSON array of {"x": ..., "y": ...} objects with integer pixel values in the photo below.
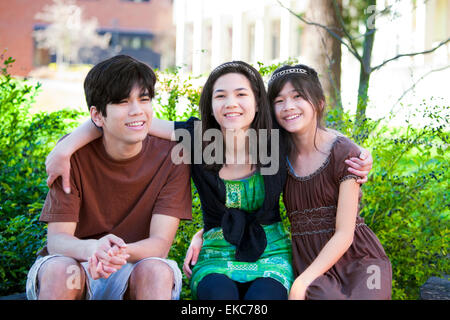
[
  {"x": 135, "y": 41},
  {"x": 41, "y": 56}
]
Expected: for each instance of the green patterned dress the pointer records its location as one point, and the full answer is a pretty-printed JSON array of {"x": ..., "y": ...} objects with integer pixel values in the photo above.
[{"x": 217, "y": 255}]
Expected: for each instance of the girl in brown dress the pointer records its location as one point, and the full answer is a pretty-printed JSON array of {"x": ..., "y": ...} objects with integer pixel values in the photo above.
[{"x": 335, "y": 254}]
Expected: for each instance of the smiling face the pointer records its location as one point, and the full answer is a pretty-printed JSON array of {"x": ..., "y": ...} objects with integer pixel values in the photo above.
[
  {"x": 127, "y": 122},
  {"x": 293, "y": 112},
  {"x": 233, "y": 102}
]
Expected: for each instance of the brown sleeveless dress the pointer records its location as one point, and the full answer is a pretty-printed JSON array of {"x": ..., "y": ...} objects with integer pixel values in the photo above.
[{"x": 364, "y": 271}]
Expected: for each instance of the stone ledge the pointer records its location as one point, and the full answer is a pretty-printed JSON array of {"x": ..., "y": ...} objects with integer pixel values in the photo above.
[
  {"x": 17, "y": 296},
  {"x": 436, "y": 289}
]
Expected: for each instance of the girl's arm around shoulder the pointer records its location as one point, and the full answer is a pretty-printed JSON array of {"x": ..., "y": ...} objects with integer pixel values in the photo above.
[
  {"x": 359, "y": 165},
  {"x": 58, "y": 160},
  {"x": 163, "y": 129}
]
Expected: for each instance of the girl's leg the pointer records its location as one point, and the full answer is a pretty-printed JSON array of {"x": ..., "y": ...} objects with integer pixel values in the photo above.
[
  {"x": 217, "y": 287},
  {"x": 325, "y": 287},
  {"x": 266, "y": 289}
]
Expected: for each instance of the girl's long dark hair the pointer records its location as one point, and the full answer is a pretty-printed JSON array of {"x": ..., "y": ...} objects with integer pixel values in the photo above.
[
  {"x": 263, "y": 118},
  {"x": 307, "y": 85}
]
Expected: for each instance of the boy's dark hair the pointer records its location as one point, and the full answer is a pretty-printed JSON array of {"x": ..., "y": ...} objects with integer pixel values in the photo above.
[
  {"x": 112, "y": 80},
  {"x": 262, "y": 120}
]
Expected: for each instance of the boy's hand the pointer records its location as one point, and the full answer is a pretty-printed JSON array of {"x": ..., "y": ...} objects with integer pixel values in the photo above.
[
  {"x": 107, "y": 256},
  {"x": 99, "y": 268}
]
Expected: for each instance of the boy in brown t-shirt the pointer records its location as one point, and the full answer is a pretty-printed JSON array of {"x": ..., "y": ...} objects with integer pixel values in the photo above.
[{"x": 110, "y": 236}]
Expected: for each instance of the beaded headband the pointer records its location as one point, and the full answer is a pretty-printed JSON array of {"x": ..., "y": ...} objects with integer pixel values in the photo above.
[
  {"x": 235, "y": 65},
  {"x": 287, "y": 71}
]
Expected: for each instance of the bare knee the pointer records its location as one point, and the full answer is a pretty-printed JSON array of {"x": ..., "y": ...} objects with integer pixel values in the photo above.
[
  {"x": 61, "y": 278},
  {"x": 155, "y": 269},
  {"x": 151, "y": 279}
]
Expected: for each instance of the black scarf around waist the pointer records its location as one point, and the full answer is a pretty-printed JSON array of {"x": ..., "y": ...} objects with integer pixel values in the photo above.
[{"x": 240, "y": 228}]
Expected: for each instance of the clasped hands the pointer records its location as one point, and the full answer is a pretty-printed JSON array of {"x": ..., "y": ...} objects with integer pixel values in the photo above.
[{"x": 108, "y": 255}]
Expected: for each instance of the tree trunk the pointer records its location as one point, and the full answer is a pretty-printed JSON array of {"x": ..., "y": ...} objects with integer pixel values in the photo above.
[
  {"x": 365, "y": 69},
  {"x": 321, "y": 50},
  {"x": 363, "y": 89}
]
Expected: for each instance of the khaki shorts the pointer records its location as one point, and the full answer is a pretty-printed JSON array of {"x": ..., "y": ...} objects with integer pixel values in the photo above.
[{"x": 112, "y": 288}]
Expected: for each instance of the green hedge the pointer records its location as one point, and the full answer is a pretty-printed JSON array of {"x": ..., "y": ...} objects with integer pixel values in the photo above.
[
  {"x": 405, "y": 201},
  {"x": 25, "y": 140}
]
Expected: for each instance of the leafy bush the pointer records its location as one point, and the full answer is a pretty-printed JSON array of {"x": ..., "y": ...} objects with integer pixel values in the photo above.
[
  {"x": 405, "y": 201},
  {"x": 174, "y": 93},
  {"x": 407, "y": 204},
  {"x": 25, "y": 140}
]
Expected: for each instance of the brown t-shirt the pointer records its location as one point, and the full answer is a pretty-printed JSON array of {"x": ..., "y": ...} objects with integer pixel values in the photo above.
[{"x": 119, "y": 197}]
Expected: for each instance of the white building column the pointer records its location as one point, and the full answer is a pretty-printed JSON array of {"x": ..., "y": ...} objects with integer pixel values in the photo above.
[
  {"x": 236, "y": 45},
  {"x": 179, "y": 20},
  {"x": 217, "y": 41},
  {"x": 285, "y": 31},
  {"x": 259, "y": 35},
  {"x": 420, "y": 32},
  {"x": 197, "y": 39}
]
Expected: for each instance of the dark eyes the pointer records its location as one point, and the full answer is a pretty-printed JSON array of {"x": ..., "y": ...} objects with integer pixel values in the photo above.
[
  {"x": 296, "y": 96},
  {"x": 142, "y": 99},
  {"x": 219, "y": 96}
]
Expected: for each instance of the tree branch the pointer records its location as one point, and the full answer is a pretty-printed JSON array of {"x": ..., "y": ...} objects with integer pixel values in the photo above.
[
  {"x": 415, "y": 83},
  {"x": 411, "y": 54},
  {"x": 331, "y": 32}
]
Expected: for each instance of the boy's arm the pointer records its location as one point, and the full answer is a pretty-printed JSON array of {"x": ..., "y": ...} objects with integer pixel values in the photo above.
[
  {"x": 162, "y": 232},
  {"x": 61, "y": 240},
  {"x": 172, "y": 204}
]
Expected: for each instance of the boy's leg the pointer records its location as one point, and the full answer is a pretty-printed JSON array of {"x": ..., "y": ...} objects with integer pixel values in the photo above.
[
  {"x": 150, "y": 280},
  {"x": 60, "y": 278}
]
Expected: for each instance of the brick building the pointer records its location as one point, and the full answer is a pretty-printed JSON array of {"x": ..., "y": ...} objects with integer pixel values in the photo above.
[{"x": 140, "y": 28}]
